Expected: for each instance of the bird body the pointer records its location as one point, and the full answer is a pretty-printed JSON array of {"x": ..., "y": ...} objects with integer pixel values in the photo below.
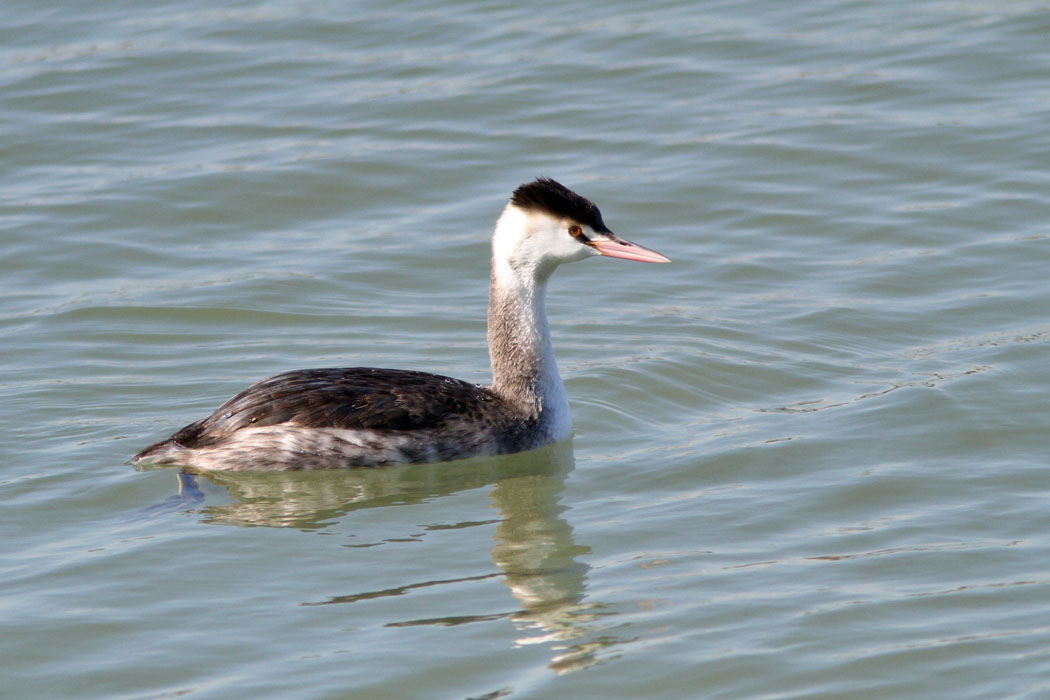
[{"x": 362, "y": 416}]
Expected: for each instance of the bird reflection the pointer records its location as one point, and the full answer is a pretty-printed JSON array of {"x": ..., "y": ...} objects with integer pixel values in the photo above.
[{"x": 534, "y": 550}]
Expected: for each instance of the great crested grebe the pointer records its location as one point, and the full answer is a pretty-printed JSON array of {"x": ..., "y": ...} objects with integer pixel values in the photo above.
[{"x": 365, "y": 416}]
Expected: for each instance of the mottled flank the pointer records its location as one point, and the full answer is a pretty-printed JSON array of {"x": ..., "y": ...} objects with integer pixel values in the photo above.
[
  {"x": 556, "y": 199},
  {"x": 354, "y": 417}
]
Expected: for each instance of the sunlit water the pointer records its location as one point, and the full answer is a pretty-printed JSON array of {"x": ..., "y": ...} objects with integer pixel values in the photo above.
[{"x": 810, "y": 455}]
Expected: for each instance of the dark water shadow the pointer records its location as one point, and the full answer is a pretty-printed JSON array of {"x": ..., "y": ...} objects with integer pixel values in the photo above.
[{"x": 535, "y": 553}]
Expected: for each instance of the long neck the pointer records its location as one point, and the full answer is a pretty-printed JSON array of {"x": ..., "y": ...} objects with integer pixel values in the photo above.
[{"x": 524, "y": 371}]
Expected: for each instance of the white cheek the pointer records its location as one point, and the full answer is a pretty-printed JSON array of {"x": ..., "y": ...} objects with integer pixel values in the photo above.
[
  {"x": 534, "y": 241},
  {"x": 509, "y": 228},
  {"x": 571, "y": 250}
]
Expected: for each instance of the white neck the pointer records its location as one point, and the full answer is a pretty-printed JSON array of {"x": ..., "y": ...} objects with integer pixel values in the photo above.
[{"x": 524, "y": 371}]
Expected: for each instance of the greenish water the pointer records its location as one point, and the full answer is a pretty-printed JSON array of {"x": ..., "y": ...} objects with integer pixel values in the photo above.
[{"x": 810, "y": 456}]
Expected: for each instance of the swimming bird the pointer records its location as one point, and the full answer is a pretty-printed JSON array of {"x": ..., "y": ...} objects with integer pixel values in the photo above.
[{"x": 366, "y": 416}]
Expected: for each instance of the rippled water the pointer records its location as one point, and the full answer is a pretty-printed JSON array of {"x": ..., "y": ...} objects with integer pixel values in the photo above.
[{"x": 810, "y": 456}]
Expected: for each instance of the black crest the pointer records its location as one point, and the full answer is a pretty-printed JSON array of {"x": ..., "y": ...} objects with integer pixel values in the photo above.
[{"x": 555, "y": 198}]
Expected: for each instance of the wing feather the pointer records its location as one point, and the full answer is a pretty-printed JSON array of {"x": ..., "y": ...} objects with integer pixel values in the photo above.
[{"x": 350, "y": 398}]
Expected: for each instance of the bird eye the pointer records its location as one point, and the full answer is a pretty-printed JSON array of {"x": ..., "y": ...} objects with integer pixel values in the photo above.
[{"x": 575, "y": 231}]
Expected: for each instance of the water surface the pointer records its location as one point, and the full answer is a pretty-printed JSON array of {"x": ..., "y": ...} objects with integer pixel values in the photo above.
[{"x": 810, "y": 456}]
